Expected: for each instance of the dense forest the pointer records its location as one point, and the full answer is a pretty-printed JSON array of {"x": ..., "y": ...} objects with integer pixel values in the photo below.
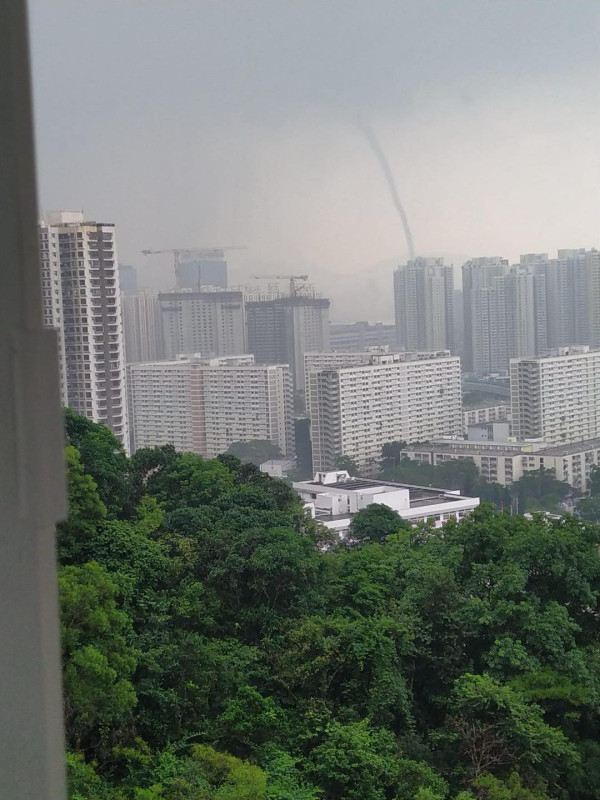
[{"x": 217, "y": 646}]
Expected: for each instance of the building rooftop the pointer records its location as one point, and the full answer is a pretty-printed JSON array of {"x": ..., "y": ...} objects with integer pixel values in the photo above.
[
  {"x": 419, "y": 495},
  {"x": 466, "y": 447},
  {"x": 573, "y": 447}
]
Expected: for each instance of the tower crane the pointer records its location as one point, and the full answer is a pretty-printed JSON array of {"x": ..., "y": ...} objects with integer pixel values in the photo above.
[
  {"x": 210, "y": 252},
  {"x": 291, "y": 278}
]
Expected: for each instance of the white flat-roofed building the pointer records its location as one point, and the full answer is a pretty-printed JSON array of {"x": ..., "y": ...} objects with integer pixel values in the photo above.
[
  {"x": 556, "y": 397},
  {"x": 204, "y": 405},
  {"x": 334, "y": 497},
  {"x": 355, "y": 410}
]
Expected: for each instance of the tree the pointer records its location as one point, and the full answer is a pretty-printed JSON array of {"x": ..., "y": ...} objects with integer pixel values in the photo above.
[
  {"x": 354, "y": 762},
  {"x": 256, "y": 451},
  {"x": 303, "y": 447},
  {"x": 200, "y": 613},
  {"x": 346, "y": 463},
  {"x": 539, "y": 490},
  {"x": 391, "y": 455},
  {"x": 595, "y": 481},
  {"x": 86, "y": 509},
  {"x": 103, "y": 457},
  {"x": 588, "y": 508},
  {"x": 498, "y": 728},
  {"x": 98, "y": 661},
  {"x": 375, "y": 522}
]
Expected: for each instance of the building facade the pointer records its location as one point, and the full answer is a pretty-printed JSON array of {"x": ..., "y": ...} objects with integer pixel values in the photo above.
[
  {"x": 555, "y": 397},
  {"x": 282, "y": 329},
  {"x": 472, "y": 416},
  {"x": 142, "y": 327},
  {"x": 506, "y": 462},
  {"x": 504, "y": 311},
  {"x": 79, "y": 258},
  {"x": 526, "y": 316},
  {"x": 572, "y": 295},
  {"x": 497, "y": 462},
  {"x": 207, "y": 322},
  {"x": 52, "y": 302},
  {"x": 484, "y": 315},
  {"x": 355, "y": 410},
  {"x": 424, "y": 305},
  {"x": 204, "y": 405}
]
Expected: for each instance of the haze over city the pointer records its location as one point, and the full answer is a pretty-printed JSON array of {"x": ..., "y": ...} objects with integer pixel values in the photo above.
[{"x": 192, "y": 124}]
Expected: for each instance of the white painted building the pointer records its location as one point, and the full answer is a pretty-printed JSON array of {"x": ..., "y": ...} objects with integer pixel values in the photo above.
[
  {"x": 79, "y": 258},
  {"x": 331, "y": 360},
  {"x": 557, "y": 397},
  {"x": 204, "y": 405},
  {"x": 498, "y": 431},
  {"x": 334, "y": 497},
  {"x": 497, "y": 462},
  {"x": 473, "y": 416},
  {"x": 572, "y": 463},
  {"x": 355, "y": 410}
]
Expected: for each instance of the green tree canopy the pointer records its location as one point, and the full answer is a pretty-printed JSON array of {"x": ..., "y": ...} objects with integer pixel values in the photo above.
[
  {"x": 216, "y": 647},
  {"x": 375, "y": 523},
  {"x": 255, "y": 451}
]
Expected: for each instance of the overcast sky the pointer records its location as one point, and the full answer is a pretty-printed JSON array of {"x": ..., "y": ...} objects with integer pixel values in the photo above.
[{"x": 212, "y": 123}]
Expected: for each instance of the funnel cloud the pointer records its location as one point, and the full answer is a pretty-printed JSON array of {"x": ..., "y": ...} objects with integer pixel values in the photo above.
[{"x": 389, "y": 176}]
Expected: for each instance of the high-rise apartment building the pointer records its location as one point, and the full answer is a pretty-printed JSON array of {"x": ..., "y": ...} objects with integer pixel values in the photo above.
[
  {"x": 526, "y": 316},
  {"x": 333, "y": 360},
  {"x": 484, "y": 313},
  {"x": 142, "y": 327},
  {"x": 79, "y": 259},
  {"x": 52, "y": 302},
  {"x": 424, "y": 304},
  {"x": 208, "y": 322},
  {"x": 355, "y": 410},
  {"x": 556, "y": 397},
  {"x": 204, "y": 405},
  {"x": 572, "y": 295},
  {"x": 282, "y": 329},
  {"x": 505, "y": 313}
]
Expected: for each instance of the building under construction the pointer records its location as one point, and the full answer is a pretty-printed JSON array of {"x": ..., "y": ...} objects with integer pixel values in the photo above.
[{"x": 282, "y": 328}]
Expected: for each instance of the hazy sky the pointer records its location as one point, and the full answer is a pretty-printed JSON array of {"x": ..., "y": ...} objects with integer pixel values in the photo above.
[{"x": 213, "y": 123}]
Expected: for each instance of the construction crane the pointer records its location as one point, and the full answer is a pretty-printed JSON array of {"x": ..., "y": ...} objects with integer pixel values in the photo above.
[
  {"x": 291, "y": 278},
  {"x": 203, "y": 252}
]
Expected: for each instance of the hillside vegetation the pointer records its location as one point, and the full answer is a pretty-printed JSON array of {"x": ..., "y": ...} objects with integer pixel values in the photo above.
[{"x": 214, "y": 651}]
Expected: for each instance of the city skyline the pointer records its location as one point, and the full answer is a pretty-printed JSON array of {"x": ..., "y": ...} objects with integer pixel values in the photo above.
[{"x": 253, "y": 138}]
